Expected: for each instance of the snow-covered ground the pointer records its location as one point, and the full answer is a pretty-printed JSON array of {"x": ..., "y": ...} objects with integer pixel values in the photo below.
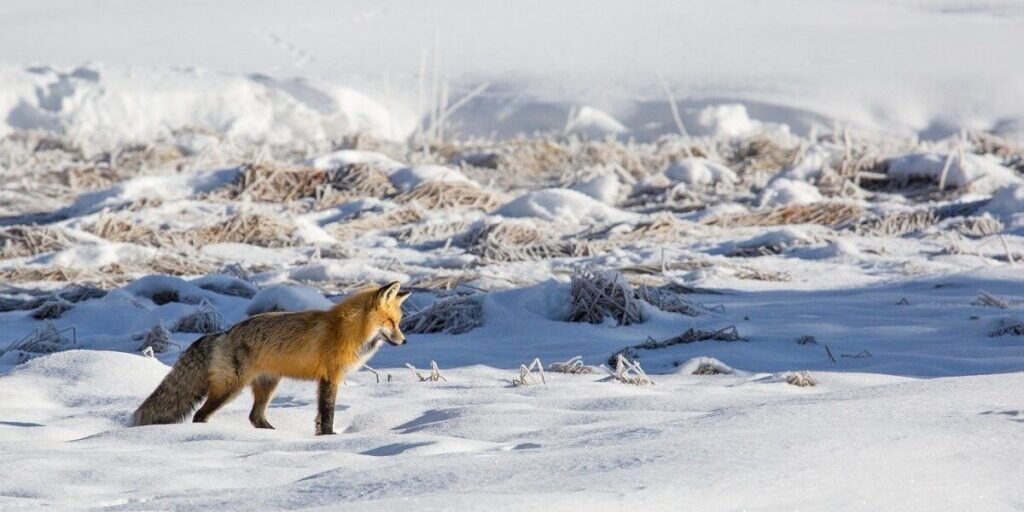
[
  {"x": 846, "y": 215},
  {"x": 270, "y": 70}
]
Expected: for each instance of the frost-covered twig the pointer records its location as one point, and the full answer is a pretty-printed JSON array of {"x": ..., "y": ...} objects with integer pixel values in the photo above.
[
  {"x": 434, "y": 376},
  {"x": 691, "y": 335},
  {"x": 157, "y": 339},
  {"x": 527, "y": 377},
  {"x": 1008, "y": 326},
  {"x": 573, "y": 366},
  {"x": 204, "y": 319},
  {"x": 800, "y": 379},
  {"x": 987, "y": 299},
  {"x": 46, "y": 339},
  {"x": 627, "y": 372}
]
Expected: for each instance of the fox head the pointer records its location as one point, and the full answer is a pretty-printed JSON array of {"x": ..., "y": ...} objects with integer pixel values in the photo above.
[{"x": 385, "y": 312}]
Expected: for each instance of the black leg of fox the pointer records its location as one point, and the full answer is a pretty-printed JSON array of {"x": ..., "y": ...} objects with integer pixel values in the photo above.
[{"x": 327, "y": 394}]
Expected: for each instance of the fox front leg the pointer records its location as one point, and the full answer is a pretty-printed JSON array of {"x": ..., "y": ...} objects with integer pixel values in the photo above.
[{"x": 327, "y": 393}]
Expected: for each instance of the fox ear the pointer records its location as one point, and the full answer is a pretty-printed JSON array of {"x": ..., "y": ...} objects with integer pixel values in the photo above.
[
  {"x": 387, "y": 292},
  {"x": 400, "y": 298}
]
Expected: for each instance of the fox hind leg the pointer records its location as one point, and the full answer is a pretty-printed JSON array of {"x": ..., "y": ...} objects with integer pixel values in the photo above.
[
  {"x": 219, "y": 394},
  {"x": 262, "y": 391}
]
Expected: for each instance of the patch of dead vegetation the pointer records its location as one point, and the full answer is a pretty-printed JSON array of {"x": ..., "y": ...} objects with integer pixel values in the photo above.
[
  {"x": 834, "y": 215},
  {"x": 25, "y": 241},
  {"x": 445, "y": 195}
]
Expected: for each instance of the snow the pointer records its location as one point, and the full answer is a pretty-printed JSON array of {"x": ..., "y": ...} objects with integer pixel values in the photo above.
[
  {"x": 700, "y": 171},
  {"x": 340, "y": 158},
  {"x": 978, "y": 172},
  {"x": 594, "y": 122},
  {"x": 275, "y": 73},
  {"x": 1008, "y": 204},
  {"x": 604, "y": 187},
  {"x": 917, "y": 399},
  {"x": 561, "y": 205},
  {"x": 931, "y": 403},
  {"x": 408, "y": 178},
  {"x": 787, "y": 192},
  {"x": 287, "y": 298},
  {"x": 728, "y": 120}
]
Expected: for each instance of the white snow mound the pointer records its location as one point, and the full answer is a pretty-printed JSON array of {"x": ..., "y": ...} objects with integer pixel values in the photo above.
[
  {"x": 561, "y": 205},
  {"x": 408, "y": 178},
  {"x": 981, "y": 174},
  {"x": 287, "y": 297},
  {"x": 700, "y": 171},
  {"x": 786, "y": 192}
]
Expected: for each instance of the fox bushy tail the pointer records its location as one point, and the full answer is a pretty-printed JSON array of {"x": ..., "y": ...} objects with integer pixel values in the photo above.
[{"x": 182, "y": 389}]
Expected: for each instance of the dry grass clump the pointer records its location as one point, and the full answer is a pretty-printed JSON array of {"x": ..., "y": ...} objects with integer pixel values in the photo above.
[
  {"x": 33, "y": 274},
  {"x": 360, "y": 180},
  {"x": 116, "y": 228},
  {"x": 800, "y": 379},
  {"x": 834, "y": 215},
  {"x": 597, "y": 295},
  {"x": 157, "y": 339},
  {"x": 373, "y": 221},
  {"x": 1008, "y": 326},
  {"x": 668, "y": 298},
  {"x": 431, "y": 231},
  {"x": 573, "y": 366},
  {"x": 45, "y": 339},
  {"x": 740, "y": 271},
  {"x": 977, "y": 227},
  {"x": 1010, "y": 151},
  {"x": 51, "y": 309},
  {"x": 204, "y": 319},
  {"x": 661, "y": 229},
  {"x": 137, "y": 157},
  {"x": 711, "y": 366},
  {"x": 450, "y": 315},
  {"x": 520, "y": 241},
  {"x": 247, "y": 228},
  {"x": 174, "y": 264},
  {"x": 897, "y": 223},
  {"x": 441, "y": 282},
  {"x": 24, "y": 241},
  {"x": 91, "y": 177},
  {"x": 758, "y": 274},
  {"x": 273, "y": 184},
  {"x": 761, "y": 153},
  {"x": 532, "y": 157},
  {"x": 692, "y": 335},
  {"x": 450, "y": 194}
]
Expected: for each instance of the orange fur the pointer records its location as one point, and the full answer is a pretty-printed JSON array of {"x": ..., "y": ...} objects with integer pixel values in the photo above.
[{"x": 308, "y": 345}]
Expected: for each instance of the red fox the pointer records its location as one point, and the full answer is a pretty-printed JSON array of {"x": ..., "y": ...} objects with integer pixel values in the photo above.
[{"x": 310, "y": 345}]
